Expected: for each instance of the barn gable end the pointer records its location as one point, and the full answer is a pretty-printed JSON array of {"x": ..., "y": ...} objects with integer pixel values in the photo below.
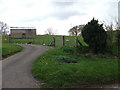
[{"x": 23, "y": 32}]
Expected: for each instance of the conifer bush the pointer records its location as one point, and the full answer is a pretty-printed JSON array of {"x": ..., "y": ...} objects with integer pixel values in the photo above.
[{"x": 95, "y": 36}]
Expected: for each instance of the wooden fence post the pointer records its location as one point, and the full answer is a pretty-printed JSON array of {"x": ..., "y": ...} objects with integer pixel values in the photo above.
[
  {"x": 54, "y": 41},
  {"x": 63, "y": 40},
  {"x": 67, "y": 42},
  {"x": 76, "y": 42}
]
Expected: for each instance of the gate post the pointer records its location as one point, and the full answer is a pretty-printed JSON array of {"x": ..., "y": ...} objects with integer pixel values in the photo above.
[
  {"x": 63, "y": 40},
  {"x": 54, "y": 41},
  {"x": 76, "y": 42}
]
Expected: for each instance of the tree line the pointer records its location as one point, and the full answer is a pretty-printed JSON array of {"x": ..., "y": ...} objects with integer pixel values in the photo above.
[{"x": 98, "y": 36}]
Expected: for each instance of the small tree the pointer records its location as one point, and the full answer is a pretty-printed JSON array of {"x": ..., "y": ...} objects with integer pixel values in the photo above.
[
  {"x": 3, "y": 28},
  {"x": 76, "y": 30},
  {"x": 95, "y": 36},
  {"x": 50, "y": 31}
]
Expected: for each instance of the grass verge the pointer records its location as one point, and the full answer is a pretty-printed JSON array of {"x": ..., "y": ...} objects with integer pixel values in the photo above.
[
  {"x": 88, "y": 70},
  {"x": 9, "y": 49}
]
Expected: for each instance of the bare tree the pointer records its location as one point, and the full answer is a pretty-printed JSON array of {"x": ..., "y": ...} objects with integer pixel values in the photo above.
[
  {"x": 50, "y": 31},
  {"x": 110, "y": 28},
  {"x": 111, "y": 25},
  {"x": 3, "y": 28},
  {"x": 117, "y": 27}
]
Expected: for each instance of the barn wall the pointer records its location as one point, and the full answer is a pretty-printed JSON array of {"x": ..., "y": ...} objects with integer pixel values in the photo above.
[
  {"x": 30, "y": 33},
  {"x": 24, "y": 33}
]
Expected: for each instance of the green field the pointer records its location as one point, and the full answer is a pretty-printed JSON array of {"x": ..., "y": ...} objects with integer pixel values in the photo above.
[
  {"x": 46, "y": 40},
  {"x": 53, "y": 69},
  {"x": 8, "y": 48}
]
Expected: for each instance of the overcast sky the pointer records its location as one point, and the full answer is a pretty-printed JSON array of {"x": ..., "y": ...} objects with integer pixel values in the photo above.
[{"x": 61, "y": 15}]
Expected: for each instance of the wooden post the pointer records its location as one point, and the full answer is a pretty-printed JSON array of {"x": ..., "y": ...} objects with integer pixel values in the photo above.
[
  {"x": 9, "y": 38},
  {"x": 79, "y": 42},
  {"x": 63, "y": 40},
  {"x": 67, "y": 41},
  {"x": 54, "y": 41},
  {"x": 76, "y": 42}
]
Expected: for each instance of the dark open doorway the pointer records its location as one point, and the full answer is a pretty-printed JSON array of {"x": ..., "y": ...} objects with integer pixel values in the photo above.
[{"x": 23, "y": 35}]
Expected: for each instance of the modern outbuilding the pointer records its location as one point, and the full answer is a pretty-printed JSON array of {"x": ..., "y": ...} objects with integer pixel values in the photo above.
[{"x": 22, "y": 32}]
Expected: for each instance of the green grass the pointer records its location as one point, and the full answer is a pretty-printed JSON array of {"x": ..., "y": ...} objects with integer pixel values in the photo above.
[
  {"x": 89, "y": 69},
  {"x": 113, "y": 45},
  {"x": 46, "y": 40},
  {"x": 9, "y": 49},
  {"x": 4, "y": 38}
]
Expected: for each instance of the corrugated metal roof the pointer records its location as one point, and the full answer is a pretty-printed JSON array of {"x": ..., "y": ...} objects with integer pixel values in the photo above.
[{"x": 22, "y": 28}]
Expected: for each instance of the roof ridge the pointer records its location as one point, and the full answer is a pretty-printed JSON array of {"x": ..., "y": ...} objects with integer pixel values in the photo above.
[{"x": 22, "y": 28}]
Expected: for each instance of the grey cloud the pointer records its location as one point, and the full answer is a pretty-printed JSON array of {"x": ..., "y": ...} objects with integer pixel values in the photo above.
[
  {"x": 61, "y": 12},
  {"x": 69, "y": 4},
  {"x": 62, "y": 4},
  {"x": 64, "y": 10},
  {"x": 31, "y": 19},
  {"x": 83, "y": 6},
  {"x": 29, "y": 5},
  {"x": 61, "y": 15}
]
